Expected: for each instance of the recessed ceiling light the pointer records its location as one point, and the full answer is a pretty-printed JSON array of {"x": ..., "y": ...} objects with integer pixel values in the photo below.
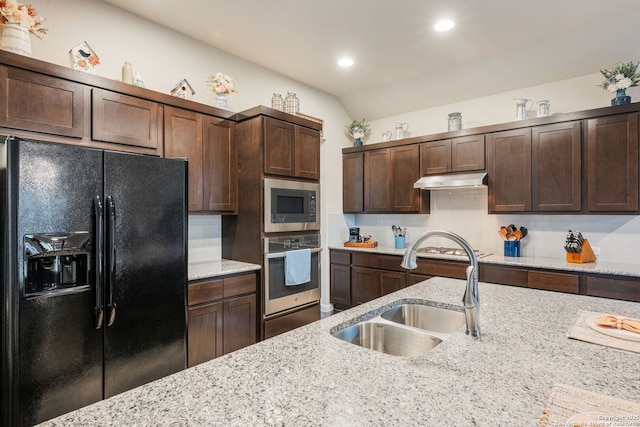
[
  {"x": 345, "y": 62},
  {"x": 444, "y": 25}
]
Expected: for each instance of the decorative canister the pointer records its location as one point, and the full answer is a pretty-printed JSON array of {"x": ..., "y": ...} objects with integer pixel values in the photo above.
[
  {"x": 277, "y": 103},
  {"x": 16, "y": 39},
  {"x": 127, "y": 73},
  {"x": 291, "y": 103},
  {"x": 455, "y": 121},
  {"x": 543, "y": 108}
]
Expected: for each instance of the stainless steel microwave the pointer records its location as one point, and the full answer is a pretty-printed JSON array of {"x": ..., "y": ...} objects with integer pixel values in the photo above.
[{"x": 291, "y": 205}]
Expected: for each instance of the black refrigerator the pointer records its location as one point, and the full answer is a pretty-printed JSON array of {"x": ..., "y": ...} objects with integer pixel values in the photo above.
[{"x": 93, "y": 275}]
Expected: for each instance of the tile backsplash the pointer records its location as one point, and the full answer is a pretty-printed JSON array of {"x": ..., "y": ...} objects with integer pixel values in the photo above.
[
  {"x": 464, "y": 212},
  {"x": 205, "y": 238}
]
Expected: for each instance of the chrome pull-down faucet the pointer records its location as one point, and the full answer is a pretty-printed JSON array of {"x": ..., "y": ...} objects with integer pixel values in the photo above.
[{"x": 470, "y": 299}]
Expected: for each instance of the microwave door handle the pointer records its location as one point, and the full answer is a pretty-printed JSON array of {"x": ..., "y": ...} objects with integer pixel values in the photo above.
[{"x": 283, "y": 254}]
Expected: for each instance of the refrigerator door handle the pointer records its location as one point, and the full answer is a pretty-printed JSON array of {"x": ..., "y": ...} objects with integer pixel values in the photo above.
[
  {"x": 99, "y": 277},
  {"x": 111, "y": 261}
]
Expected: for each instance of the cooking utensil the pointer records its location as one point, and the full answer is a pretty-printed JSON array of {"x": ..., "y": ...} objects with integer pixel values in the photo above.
[
  {"x": 395, "y": 230},
  {"x": 523, "y": 232},
  {"x": 503, "y": 233}
]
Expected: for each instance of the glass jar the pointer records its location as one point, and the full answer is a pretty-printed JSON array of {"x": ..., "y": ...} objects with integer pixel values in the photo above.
[
  {"x": 291, "y": 103},
  {"x": 455, "y": 121},
  {"x": 277, "y": 103}
]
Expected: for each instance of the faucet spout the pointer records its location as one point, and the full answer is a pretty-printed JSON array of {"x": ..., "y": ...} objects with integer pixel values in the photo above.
[{"x": 470, "y": 299}]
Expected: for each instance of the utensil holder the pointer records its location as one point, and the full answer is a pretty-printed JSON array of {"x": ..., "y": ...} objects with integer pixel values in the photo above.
[
  {"x": 585, "y": 255},
  {"x": 401, "y": 242},
  {"x": 512, "y": 248}
]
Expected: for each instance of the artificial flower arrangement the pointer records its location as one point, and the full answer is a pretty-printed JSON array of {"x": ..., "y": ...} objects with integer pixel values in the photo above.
[
  {"x": 358, "y": 129},
  {"x": 221, "y": 84},
  {"x": 12, "y": 12},
  {"x": 622, "y": 76}
]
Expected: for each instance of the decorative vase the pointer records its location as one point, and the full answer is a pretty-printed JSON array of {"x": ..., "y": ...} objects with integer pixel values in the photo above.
[
  {"x": 16, "y": 39},
  {"x": 291, "y": 103},
  {"x": 621, "y": 98},
  {"x": 277, "y": 103},
  {"x": 221, "y": 100},
  {"x": 357, "y": 142}
]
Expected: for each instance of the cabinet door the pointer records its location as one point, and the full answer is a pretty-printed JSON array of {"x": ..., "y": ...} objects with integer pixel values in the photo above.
[
  {"x": 307, "y": 153},
  {"x": 365, "y": 285},
  {"x": 239, "y": 323},
  {"x": 435, "y": 157},
  {"x": 39, "y": 103},
  {"x": 183, "y": 138},
  {"x": 377, "y": 180},
  {"x": 391, "y": 281},
  {"x": 405, "y": 170},
  {"x": 341, "y": 285},
  {"x": 509, "y": 157},
  {"x": 467, "y": 153},
  {"x": 556, "y": 165},
  {"x": 219, "y": 166},
  {"x": 612, "y": 163},
  {"x": 204, "y": 333},
  {"x": 123, "y": 119},
  {"x": 353, "y": 183},
  {"x": 279, "y": 148}
]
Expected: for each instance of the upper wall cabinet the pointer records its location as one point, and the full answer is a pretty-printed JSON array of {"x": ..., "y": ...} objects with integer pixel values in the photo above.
[
  {"x": 462, "y": 154},
  {"x": 536, "y": 169},
  {"x": 123, "y": 119},
  {"x": 353, "y": 182},
  {"x": 509, "y": 158},
  {"x": 389, "y": 174},
  {"x": 208, "y": 144},
  {"x": 291, "y": 150},
  {"x": 612, "y": 163},
  {"x": 40, "y": 103}
]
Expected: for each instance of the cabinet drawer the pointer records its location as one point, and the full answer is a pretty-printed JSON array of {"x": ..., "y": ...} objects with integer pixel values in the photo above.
[
  {"x": 383, "y": 262},
  {"x": 503, "y": 275},
  {"x": 239, "y": 285},
  {"x": 199, "y": 293},
  {"x": 441, "y": 268},
  {"x": 568, "y": 283},
  {"x": 342, "y": 258},
  {"x": 614, "y": 287}
]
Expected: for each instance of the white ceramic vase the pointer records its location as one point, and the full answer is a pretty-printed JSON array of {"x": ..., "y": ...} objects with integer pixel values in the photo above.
[
  {"x": 16, "y": 39},
  {"x": 221, "y": 100}
]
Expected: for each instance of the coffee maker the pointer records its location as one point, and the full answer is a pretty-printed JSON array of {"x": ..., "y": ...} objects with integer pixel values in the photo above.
[{"x": 354, "y": 235}]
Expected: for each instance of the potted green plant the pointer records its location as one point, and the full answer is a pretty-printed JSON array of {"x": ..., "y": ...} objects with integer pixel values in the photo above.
[
  {"x": 618, "y": 79},
  {"x": 357, "y": 130}
]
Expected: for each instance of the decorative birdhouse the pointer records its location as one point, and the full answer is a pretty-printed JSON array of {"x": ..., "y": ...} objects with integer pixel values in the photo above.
[
  {"x": 183, "y": 90},
  {"x": 83, "y": 58}
]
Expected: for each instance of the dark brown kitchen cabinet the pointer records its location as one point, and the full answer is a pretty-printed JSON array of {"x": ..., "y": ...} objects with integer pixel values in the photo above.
[
  {"x": 126, "y": 120},
  {"x": 221, "y": 316},
  {"x": 353, "y": 182},
  {"x": 509, "y": 170},
  {"x": 368, "y": 284},
  {"x": 291, "y": 150},
  {"x": 207, "y": 142},
  {"x": 340, "y": 280},
  {"x": 461, "y": 154},
  {"x": 612, "y": 163},
  {"x": 624, "y": 288},
  {"x": 389, "y": 175},
  {"x": 556, "y": 167},
  {"x": 41, "y": 103},
  {"x": 536, "y": 279}
]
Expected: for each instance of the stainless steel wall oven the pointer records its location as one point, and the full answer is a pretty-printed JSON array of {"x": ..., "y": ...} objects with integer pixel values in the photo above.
[{"x": 279, "y": 297}]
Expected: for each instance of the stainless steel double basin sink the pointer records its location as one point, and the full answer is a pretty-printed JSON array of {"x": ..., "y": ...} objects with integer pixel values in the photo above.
[{"x": 407, "y": 330}]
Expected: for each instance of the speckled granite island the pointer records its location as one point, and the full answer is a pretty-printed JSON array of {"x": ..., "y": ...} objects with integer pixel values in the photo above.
[{"x": 307, "y": 377}]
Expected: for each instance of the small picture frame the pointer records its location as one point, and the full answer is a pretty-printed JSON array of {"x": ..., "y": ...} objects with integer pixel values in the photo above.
[{"x": 83, "y": 58}]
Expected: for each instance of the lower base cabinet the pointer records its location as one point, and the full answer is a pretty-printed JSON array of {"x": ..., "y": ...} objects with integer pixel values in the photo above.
[
  {"x": 359, "y": 277},
  {"x": 221, "y": 317},
  {"x": 287, "y": 322}
]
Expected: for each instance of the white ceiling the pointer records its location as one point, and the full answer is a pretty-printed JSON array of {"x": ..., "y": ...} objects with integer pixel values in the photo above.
[{"x": 401, "y": 64}]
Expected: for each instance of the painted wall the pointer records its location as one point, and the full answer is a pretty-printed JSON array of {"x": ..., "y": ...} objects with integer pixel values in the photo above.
[{"x": 163, "y": 57}]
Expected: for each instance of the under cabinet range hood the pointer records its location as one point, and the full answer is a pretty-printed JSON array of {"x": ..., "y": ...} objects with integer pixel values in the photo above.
[{"x": 449, "y": 182}]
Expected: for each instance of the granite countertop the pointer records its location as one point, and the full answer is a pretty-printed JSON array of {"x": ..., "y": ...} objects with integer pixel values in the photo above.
[
  {"x": 306, "y": 377},
  {"x": 222, "y": 267},
  {"x": 597, "y": 267}
]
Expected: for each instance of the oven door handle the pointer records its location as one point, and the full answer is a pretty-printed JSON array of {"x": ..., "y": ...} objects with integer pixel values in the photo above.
[{"x": 272, "y": 255}]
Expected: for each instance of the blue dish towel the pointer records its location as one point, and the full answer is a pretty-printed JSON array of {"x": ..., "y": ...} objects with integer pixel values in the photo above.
[{"x": 297, "y": 267}]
